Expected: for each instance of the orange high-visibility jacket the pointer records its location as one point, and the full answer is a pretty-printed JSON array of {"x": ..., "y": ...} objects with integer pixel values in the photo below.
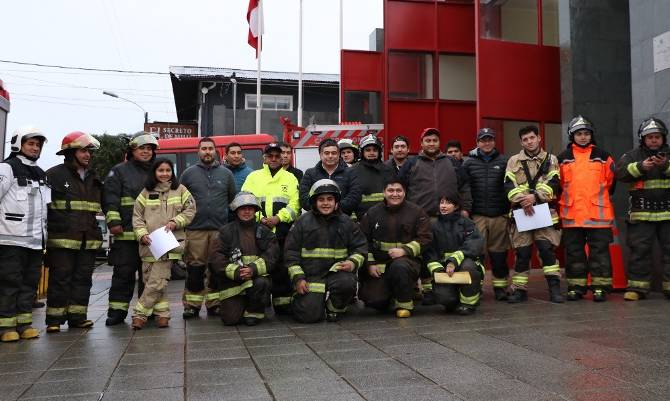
[{"x": 587, "y": 181}]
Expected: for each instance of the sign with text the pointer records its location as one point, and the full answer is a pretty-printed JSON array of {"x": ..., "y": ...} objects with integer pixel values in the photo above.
[
  {"x": 661, "y": 45},
  {"x": 171, "y": 130}
]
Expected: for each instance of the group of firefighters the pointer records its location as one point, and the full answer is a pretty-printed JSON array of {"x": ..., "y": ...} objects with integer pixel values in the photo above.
[{"x": 391, "y": 233}]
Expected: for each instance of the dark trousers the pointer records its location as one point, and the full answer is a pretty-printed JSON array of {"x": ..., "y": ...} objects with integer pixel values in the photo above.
[
  {"x": 310, "y": 308},
  {"x": 394, "y": 288},
  {"x": 450, "y": 295},
  {"x": 124, "y": 256},
  {"x": 578, "y": 265},
  {"x": 250, "y": 304},
  {"x": 70, "y": 280},
  {"x": 640, "y": 240},
  {"x": 19, "y": 275}
]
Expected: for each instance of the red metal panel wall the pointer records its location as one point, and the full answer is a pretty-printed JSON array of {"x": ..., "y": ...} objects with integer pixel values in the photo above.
[
  {"x": 458, "y": 121},
  {"x": 409, "y": 118},
  {"x": 518, "y": 81},
  {"x": 456, "y": 32},
  {"x": 362, "y": 71},
  {"x": 409, "y": 25}
]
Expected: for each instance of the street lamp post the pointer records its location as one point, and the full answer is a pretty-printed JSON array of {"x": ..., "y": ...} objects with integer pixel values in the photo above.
[{"x": 112, "y": 94}]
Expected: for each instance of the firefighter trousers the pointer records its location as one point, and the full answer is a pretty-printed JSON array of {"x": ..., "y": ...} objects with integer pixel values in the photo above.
[
  {"x": 451, "y": 295},
  {"x": 19, "y": 276},
  {"x": 340, "y": 288},
  {"x": 70, "y": 280},
  {"x": 640, "y": 239},
  {"x": 199, "y": 286},
  {"x": 250, "y": 303},
  {"x": 154, "y": 297},
  {"x": 546, "y": 240},
  {"x": 125, "y": 257},
  {"x": 578, "y": 265},
  {"x": 495, "y": 233},
  {"x": 394, "y": 288}
]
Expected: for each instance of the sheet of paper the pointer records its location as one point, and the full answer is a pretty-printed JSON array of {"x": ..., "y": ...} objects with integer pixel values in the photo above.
[
  {"x": 161, "y": 242},
  {"x": 541, "y": 218},
  {"x": 457, "y": 278}
]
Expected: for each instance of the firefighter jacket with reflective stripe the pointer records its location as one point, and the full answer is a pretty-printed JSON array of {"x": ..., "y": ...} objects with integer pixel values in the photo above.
[
  {"x": 430, "y": 179},
  {"x": 278, "y": 194},
  {"x": 316, "y": 244},
  {"x": 454, "y": 238},
  {"x": 154, "y": 209},
  {"x": 346, "y": 180},
  {"x": 213, "y": 188},
  {"x": 404, "y": 226},
  {"x": 543, "y": 169},
  {"x": 123, "y": 183},
  {"x": 74, "y": 204},
  {"x": 371, "y": 177},
  {"x": 587, "y": 180},
  {"x": 23, "y": 203},
  {"x": 649, "y": 190},
  {"x": 243, "y": 244},
  {"x": 486, "y": 175}
]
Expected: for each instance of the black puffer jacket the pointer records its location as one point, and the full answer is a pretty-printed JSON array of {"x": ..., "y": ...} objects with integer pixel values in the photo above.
[
  {"x": 344, "y": 177},
  {"x": 486, "y": 176},
  {"x": 371, "y": 176}
]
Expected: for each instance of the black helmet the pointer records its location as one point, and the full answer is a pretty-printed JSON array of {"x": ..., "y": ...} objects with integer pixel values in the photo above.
[
  {"x": 652, "y": 125},
  {"x": 244, "y": 198},
  {"x": 324, "y": 186}
]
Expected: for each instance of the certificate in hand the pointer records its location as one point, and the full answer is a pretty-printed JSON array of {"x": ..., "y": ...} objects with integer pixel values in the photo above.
[
  {"x": 541, "y": 218},
  {"x": 161, "y": 242},
  {"x": 457, "y": 278}
]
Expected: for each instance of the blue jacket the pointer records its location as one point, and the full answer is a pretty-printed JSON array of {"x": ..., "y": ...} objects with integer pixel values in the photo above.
[{"x": 240, "y": 173}]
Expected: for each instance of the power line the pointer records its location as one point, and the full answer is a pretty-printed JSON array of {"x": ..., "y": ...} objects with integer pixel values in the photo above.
[
  {"x": 87, "y": 105},
  {"x": 81, "y": 99},
  {"x": 64, "y": 67},
  {"x": 106, "y": 88}
]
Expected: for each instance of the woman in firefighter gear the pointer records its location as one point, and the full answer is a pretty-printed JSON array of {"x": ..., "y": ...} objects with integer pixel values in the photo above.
[
  {"x": 532, "y": 178},
  {"x": 397, "y": 232},
  {"x": 162, "y": 203},
  {"x": 23, "y": 214},
  {"x": 647, "y": 172},
  {"x": 323, "y": 251},
  {"x": 587, "y": 214},
  {"x": 372, "y": 174},
  {"x": 457, "y": 247},
  {"x": 246, "y": 255},
  {"x": 73, "y": 233},
  {"x": 123, "y": 183},
  {"x": 348, "y": 151}
]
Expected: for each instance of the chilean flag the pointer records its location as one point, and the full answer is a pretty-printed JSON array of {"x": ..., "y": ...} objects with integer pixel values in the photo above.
[{"x": 255, "y": 19}]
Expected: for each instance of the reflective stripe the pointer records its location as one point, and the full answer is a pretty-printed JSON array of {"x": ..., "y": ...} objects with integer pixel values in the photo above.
[
  {"x": 256, "y": 315},
  {"x": 552, "y": 174},
  {"x": 51, "y": 311},
  {"x": 24, "y": 318},
  {"x": 141, "y": 232},
  {"x": 261, "y": 268},
  {"x": 633, "y": 170},
  {"x": 170, "y": 256},
  {"x": 550, "y": 270},
  {"x": 7, "y": 322},
  {"x": 83, "y": 206},
  {"x": 142, "y": 310},
  {"x": 77, "y": 309},
  {"x": 63, "y": 243},
  {"x": 415, "y": 247},
  {"x": 174, "y": 200},
  {"x": 213, "y": 296},
  {"x": 162, "y": 306},
  {"x": 179, "y": 220},
  {"x": 546, "y": 188},
  {"x": 317, "y": 287},
  {"x": 330, "y": 307},
  {"x": 509, "y": 175},
  {"x": 434, "y": 266},
  {"x": 118, "y": 305},
  {"x": 231, "y": 269},
  {"x": 465, "y": 300},
  {"x": 93, "y": 244},
  {"x": 185, "y": 196},
  {"x": 281, "y": 301},
  {"x": 666, "y": 286},
  {"x": 127, "y": 201},
  {"x": 246, "y": 259},
  {"x": 125, "y": 236},
  {"x": 599, "y": 223},
  {"x": 295, "y": 270},
  {"x": 649, "y": 216},
  {"x": 374, "y": 197},
  {"x": 112, "y": 215},
  {"x": 358, "y": 259},
  {"x": 280, "y": 199},
  {"x": 194, "y": 298},
  {"x": 458, "y": 256},
  {"x": 520, "y": 279},
  {"x": 601, "y": 202},
  {"x": 427, "y": 287},
  {"x": 639, "y": 284},
  {"x": 499, "y": 282},
  {"x": 577, "y": 281},
  {"x": 409, "y": 305},
  {"x": 606, "y": 281},
  {"x": 655, "y": 184},
  {"x": 292, "y": 213},
  {"x": 324, "y": 253},
  {"x": 514, "y": 192},
  {"x": 371, "y": 257},
  {"x": 231, "y": 292},
  {"x": 566, "y": 201}
]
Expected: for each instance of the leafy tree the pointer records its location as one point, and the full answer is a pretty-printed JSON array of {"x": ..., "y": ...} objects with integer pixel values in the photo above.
[{"x": 112, "y": 151}]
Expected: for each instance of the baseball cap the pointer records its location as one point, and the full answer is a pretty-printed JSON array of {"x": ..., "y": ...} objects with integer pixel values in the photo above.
[
  {"x": 484, "y": 132},
  {"x": 271, "y": 147}
]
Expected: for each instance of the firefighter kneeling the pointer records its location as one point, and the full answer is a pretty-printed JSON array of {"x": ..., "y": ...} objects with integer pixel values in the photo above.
[
  {"x": 323, "y": 250},
  {"x": 397, "y": 231},
  {"x": 456, "y": 247},
  {"x": 245, "y": 256}
]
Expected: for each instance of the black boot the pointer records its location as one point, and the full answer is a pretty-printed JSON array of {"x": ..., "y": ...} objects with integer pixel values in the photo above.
[
  {"x": 517, "y": 296},
  {"x": 574, "y": 295},
  {"x": 251, "y": 321},
  {"x": 554, "y": 284},
  {"x": 599, "y": 295},
  {"x": 500, "y": 293},
  {"x": 332, "y": 316},
  {"x": 114, "y": 319},
  {"x": 465, "y": 310},
  {"x": 190, "y": 313}
]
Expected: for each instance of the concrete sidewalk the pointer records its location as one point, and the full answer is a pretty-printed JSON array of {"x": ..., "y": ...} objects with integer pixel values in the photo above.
[{"x": 533, "y": 351}]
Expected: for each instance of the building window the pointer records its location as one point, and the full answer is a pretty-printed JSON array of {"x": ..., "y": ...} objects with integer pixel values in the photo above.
[
  {"x": 270, "y": 102},
  {"x": 364, "y": 107},
  {"x": 550, "y": 22},
  {"x": 410, "y": 75},
  {"x": 511, "y": 20},
  {"x": 457, "y": 77}
]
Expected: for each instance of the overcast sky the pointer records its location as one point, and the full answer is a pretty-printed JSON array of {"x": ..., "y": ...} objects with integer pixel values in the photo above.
[{"x": 151, "y": 35}]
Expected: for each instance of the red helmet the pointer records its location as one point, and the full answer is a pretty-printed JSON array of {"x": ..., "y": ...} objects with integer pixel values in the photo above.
[{"x": 78, "y": 140}]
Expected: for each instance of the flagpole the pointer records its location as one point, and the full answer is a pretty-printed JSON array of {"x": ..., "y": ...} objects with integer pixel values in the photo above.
[
  {"x": 339, "y": 93},
  {"x": 259, "y": 101},
  {"x": 300, "y": 67}
]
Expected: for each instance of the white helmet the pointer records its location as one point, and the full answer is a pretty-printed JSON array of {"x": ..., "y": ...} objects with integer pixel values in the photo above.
[{"x": 24, "y": 133}]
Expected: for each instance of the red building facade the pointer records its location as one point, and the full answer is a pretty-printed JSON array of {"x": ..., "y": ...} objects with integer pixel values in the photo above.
[{"x": 458, "y": 66}]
